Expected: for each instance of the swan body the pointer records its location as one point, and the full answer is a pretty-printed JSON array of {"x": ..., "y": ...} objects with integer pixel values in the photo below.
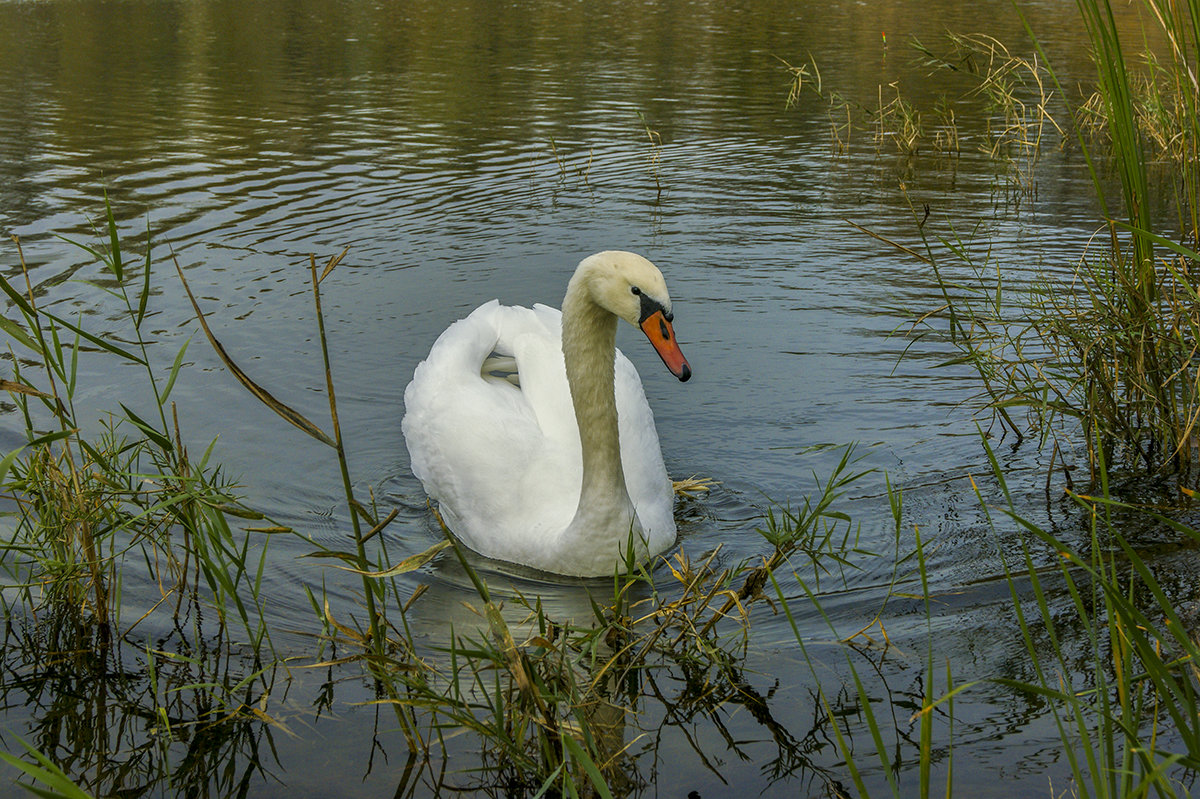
[{"x": 532, "y": 431}]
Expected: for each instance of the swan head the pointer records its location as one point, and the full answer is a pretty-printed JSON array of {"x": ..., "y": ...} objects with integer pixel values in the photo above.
[{"x": 631, "y": 288}]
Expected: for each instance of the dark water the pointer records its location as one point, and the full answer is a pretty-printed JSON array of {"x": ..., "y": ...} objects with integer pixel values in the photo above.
[{"x": 471, "y": 150}]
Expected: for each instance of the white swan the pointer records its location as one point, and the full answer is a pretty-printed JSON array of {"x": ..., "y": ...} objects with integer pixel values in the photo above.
[{"x": 532, "y": 431}]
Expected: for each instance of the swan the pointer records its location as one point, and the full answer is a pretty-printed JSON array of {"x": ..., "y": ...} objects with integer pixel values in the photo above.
[{"x": 532, "y": 431}]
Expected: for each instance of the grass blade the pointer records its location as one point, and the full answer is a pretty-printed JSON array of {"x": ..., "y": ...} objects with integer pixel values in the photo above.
[
  {"x": 58, "y": 784},
  {"x": 589, "y": 766},
  {"x": 145, "y": 294},
  {"x": 285, "y": 412},
  {"x": 99, "y": 342},
  {"x": 114, "y": 260}
]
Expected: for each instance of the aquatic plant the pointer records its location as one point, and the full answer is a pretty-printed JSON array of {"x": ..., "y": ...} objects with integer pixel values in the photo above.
[
  {"x": 898, "y": 121},
  {"x": 371, "y": 636},
  {"x": 1126, "y": 708},
  {"x": 1019, "y": 101},
  {"x": 1112, "y": 658},
  {"x": 1113, "y": 347},
  {"x": 546, "y": 701},
  {"x": 1016, "y": 106},
  {"x": 88, "y": 503},
  {"x": 550, "y": 705},
  {"x": 115, "y": 507},
  {"x": 654, "y": 158},
  {"x": 561, "y": 161}
]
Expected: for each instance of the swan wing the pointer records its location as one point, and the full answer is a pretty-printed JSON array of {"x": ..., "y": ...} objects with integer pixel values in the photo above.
[{"x": 494, "y": 455}]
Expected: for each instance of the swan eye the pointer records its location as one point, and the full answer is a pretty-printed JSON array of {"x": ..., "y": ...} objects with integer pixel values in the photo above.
[{"x": 636, "y": 291}]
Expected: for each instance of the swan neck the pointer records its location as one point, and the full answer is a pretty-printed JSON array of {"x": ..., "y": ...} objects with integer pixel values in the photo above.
[{"x": 589, "y": 336}]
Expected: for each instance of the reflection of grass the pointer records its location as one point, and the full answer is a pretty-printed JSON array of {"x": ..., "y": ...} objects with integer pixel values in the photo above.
[{"x": 115, "y": 718}]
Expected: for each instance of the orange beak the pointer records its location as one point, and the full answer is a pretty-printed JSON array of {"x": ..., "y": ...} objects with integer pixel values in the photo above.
[{"x": 662, "y": 336}]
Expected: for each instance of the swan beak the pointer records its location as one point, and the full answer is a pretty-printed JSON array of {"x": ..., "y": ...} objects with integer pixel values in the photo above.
[{"x": 662, "y": 336}]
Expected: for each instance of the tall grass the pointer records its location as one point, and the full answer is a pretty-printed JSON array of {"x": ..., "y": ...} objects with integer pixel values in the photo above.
[
  {"x": 1133, "y": 328},
  {"x": 1126, "y": 710},
  {"x": 90, "y": 501},
  {"x": 1009, "y": 89},
  {"x": 371, "y": 635},
  {"x": 1113, "y": 666},
  {"x": 549, "y": 703},
  {"x": 1111, "y": 350},
  {"x": 115, "y": 513},
  {"x": 546, "y": 698},
  {"x": 546, "y": 701}
]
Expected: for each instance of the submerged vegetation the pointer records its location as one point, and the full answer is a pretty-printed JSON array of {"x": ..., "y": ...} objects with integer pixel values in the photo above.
[{"x": 133, "y": 573}]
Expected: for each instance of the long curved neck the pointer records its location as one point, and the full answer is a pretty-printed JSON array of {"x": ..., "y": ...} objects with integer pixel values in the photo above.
[{"x": 589, "y": 335}]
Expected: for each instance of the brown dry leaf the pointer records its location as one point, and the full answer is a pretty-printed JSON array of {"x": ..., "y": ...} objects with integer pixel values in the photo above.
[
  {"x": 411, "y": 563},
  {"x": 693, "y": 486},
  {"x": 504, "y": 642},
  {"x": 21, "y": 388},
  {"x": 349, "y": 632}
]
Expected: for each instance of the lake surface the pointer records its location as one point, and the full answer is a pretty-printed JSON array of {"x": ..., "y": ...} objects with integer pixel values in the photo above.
[{"x": 465, "y": 151}]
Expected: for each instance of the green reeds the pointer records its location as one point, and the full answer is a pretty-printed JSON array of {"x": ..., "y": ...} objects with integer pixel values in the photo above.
[
  {"x": 372, "y": 637},
  {"x": 52, "y": 782},
  {"x": 1014, "y": 91},
  {"x": 1145, "y": 115},
  {"x": 549, "y": 699},
  {"x": 1114, "y": 348},
  {"x": 355, "y": 509},
  {"x": 90, "y": 503},
  {"x": 860, "y": 701},
  {"x": 100, "y": 506},
  {"x": 1114, "y": 665},
  {"x": 654, "y": 158},
  {"x": 1126, "y": 708}
]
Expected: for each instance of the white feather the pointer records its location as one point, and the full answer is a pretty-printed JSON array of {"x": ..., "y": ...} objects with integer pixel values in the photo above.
[{"x": 504, "y": 461}]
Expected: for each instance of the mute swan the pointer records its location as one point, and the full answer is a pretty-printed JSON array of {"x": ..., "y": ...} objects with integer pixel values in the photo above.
[{"x": 532, "y": 430}]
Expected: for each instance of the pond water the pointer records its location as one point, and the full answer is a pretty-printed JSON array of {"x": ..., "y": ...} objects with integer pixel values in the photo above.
[{"x": 465, "y": 151}]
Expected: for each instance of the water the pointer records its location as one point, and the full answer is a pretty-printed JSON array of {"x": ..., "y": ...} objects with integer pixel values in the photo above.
[{"x": 478, "y": 150}]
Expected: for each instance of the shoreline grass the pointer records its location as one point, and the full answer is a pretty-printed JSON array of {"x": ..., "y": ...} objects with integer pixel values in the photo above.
[{"x": 1103, "y": 362}]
